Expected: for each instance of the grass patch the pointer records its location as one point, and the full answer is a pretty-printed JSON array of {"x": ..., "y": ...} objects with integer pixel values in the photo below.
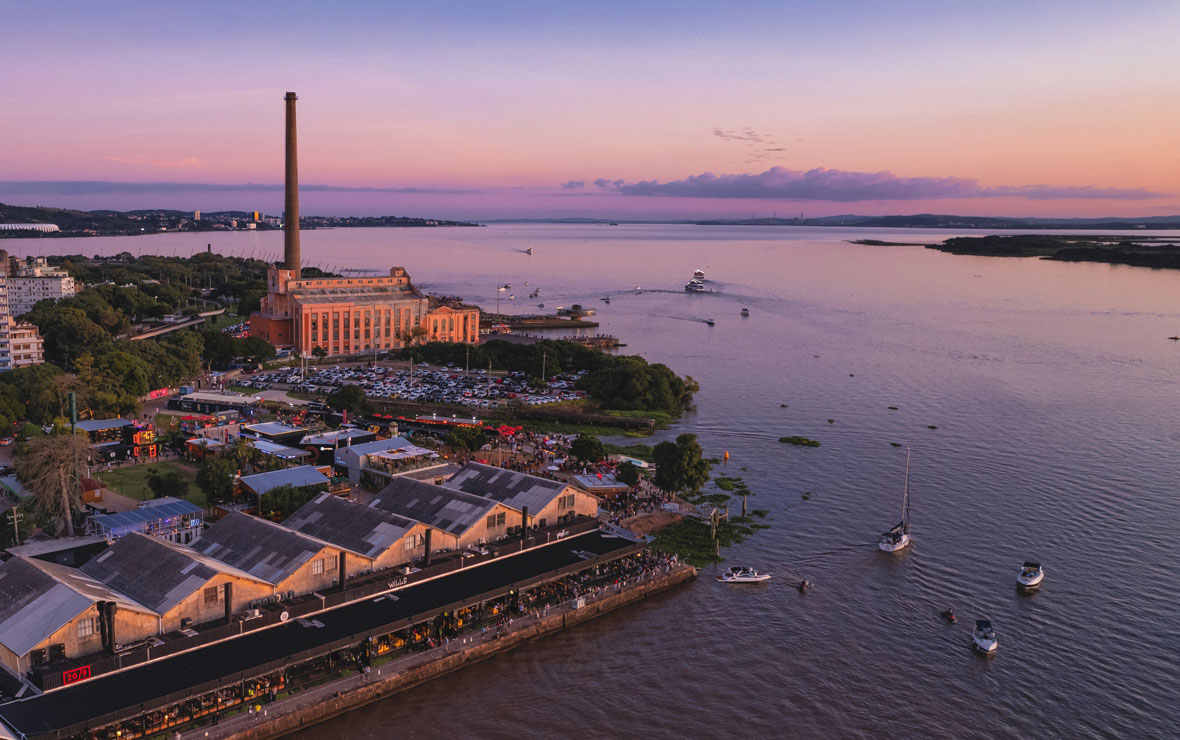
[
  {"x": 690, "y": 539},
  {"x": 800, "y": 441},
  {"x": 131, "y": 481}
]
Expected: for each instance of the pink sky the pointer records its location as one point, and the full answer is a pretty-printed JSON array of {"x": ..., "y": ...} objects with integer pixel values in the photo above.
[{"x": 497, "y": 108}]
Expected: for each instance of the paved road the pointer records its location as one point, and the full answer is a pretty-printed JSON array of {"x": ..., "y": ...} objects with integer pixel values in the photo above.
[{"x": 67, "y": 710}]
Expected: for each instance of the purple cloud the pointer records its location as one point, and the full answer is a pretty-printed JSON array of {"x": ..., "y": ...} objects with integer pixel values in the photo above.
[
  {"x": 573, "y": 185},
  {"x": 778, "y": 183}
]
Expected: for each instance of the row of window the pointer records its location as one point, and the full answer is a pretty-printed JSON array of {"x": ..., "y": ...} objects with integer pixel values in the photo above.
[
  {"x": 495, "y": 520},
  {"x": 319, "y": 565}
]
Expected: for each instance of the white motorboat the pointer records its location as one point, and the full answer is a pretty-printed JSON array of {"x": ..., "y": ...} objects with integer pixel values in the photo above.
[
  {"x": 529, "y": 250},
  {"x": 1031, "y": 575},
  {"x": 898, "y": 538},
  {"x": 699, "y": 275},
  {"x": 984, "y": 637},
  {"x": 694, "y": 286},
  {"x": 742, "y": 574}
]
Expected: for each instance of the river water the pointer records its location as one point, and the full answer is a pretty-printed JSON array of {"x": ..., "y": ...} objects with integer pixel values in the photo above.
[{"x": 1053, "y": 387}]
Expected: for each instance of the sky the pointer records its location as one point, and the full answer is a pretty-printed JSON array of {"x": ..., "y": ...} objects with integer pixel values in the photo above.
[{"x": 685, "y": 109}]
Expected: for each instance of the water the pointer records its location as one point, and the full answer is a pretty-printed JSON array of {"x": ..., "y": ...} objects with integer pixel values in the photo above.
[{"x": 1054, "y": 390}]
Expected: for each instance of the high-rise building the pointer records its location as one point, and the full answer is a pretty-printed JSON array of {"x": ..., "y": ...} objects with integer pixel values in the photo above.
[
  {"x": 196, "y": 215},
  {"x": 35, "y": 280},
  {"x": 25, "y": 345},
  {"x": 348, "y": 315}
]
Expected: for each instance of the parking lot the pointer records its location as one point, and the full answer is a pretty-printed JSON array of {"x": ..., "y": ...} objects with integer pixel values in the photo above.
[{"x": 429, "y": 385}]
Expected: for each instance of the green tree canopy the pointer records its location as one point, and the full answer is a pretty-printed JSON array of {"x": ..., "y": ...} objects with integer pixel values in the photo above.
[
  {"x": 588, "y": 448},
  {"x": 466, "y": 438},
  {"x": 216, "y": 479},
  {"x": 350, "y": 397},
  {"x": 629, "y": 473},
  {"x": 680, "y": 465}
]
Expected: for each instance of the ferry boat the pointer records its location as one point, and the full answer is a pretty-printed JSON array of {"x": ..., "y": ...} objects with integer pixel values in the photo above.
[
  {"x": 742, "y": 574},
  {"x": 984, "y": 637},
  {"x": 1031, "y": 575},
  {"x": 898, "y": 538},
  {"x": 694, "y": 286}
]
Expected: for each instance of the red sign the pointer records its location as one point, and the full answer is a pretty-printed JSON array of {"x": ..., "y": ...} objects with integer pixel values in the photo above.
[
  {"x": 159, "y": 393},
  {"x": 75, "y": 675}
]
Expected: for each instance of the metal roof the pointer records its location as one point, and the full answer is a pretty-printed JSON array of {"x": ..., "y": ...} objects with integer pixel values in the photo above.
[
  {"x": 263, "y": 549},
  {"x": 368, "y": 448},
  {"x": 11, "y": 483},
  {"x": 509, "y": 487},
  {"x": 273, "y": 427},
  {"x": 334, "y": 437},
  {"x": 156, "y": 573},
  {"x": 304, "y": 475},
  {"x": 446, "y": 509},
  {"x": 276, "y": 449},
  {"x": 592, "y": 483},
  {"x": 149, "y": 511},
  {"x": 226, "y": 398},
  {"x": 100, "y": 425},
  {"x": 355, "y": 527},
  {"x": 39, "y": 598}
]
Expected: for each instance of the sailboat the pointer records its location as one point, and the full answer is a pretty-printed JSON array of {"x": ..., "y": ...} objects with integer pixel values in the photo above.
[{"x": 898, "y": 538}]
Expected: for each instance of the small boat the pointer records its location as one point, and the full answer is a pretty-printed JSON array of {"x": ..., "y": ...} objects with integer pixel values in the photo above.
[
  {"x": 746, "y": 312},
  {"x": 898, "y": 538},
  {"x": 804, "y": 585},
  {"x": 742, "y": 574},
  {"x": 710, "y": 322},
  {"x": 637, "y": 289},
  {"x": 948, "y": 615},
  {"x": 1174, "y": 339},
  {"x": 694, "y": 286},
  {"x": 528, "y": 251},
  {"x": 606, "y": 299},
  {"x": 1031, "y": 575},
  {"x": 699, "y": 275},
  {"x": 540, "y": 305},
  {"x": 984, "y": 637}
]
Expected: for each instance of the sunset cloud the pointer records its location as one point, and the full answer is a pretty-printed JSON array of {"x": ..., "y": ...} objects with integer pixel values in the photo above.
[{"x": 778, "y": 183}]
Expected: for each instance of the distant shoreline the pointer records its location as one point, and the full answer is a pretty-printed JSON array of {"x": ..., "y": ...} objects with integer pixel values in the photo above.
[{"x": 1158, "y": 252}]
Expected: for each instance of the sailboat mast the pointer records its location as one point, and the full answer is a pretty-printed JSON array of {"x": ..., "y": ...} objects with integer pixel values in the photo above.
[{"x": 905, "y": 496}]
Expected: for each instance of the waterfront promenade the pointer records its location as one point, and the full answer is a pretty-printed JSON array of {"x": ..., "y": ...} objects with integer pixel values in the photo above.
[
  {"x": 268, "y": 720},
  {"x": 76, "y": 709}
]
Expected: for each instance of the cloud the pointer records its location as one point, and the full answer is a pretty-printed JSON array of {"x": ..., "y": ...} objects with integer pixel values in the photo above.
[
  {"x": 90, "y": 187},
  {"x": 778, "y": 183},
  {"x": 573, "y": 185},
  {"x": 606, "y": 184},
  {"x": 180, "y": 163}
]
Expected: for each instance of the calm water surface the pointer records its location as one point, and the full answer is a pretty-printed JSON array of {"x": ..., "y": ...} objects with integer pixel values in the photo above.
[{"x": 1054, "y": 390}]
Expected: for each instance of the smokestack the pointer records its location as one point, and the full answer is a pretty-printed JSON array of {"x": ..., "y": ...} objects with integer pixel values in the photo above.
[
  {"x": 524, "y": 524},
  {"x": 426, "y": 559},
  {"x": 343, "y": 570},
  {"x": 291, "y": 207},
  {"x": 229, "y": 601}
]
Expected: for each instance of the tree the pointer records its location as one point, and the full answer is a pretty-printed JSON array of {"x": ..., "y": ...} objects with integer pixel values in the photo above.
[
  {"x": 172, "y": 483},
  {"x": 679, "y": 464},
  {"x": 256, "y": 349},
  {"x": 52, "y": 469},
  {"x": 283, "y": 501},
  {"x": 466, "y": 438},
  {"x": 350, "y": 397},
  {"x": 216, "y": 479},
  {"x": 588, "y": 448},
  {"x": 629, "y": 473},
  {"x": 319, "y": 352}
]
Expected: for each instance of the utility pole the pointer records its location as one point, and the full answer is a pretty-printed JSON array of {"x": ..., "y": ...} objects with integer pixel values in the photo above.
[
  {"x": 467, "y": 363},
  {"x": 544, "y": 357},
  {"x": 15, "y": 516}
]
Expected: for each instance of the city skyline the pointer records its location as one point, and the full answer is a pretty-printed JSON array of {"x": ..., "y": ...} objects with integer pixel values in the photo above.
[{"x": 531, "y": 110}]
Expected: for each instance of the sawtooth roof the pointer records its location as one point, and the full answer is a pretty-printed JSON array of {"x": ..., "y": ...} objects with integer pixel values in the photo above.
[
  {"x": 265, "y": 550},
  {"x": 517, "y": 490},
  {"x": 443, "y": 508},
  {"x": 361, "y": 529}
]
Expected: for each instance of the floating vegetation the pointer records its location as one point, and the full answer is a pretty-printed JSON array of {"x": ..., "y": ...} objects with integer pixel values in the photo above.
[
  {"x": 852, "y": 375},
  {"x": 717, "y": 499},
  {"x": 893, "y": 408},
  {"x": 691, "y": 539},
  {"x": 782, "y": 405},
  {"x": 800, "y": 441},
  {"x": 807, "y": 495},
  {"x": 895, "y": 444},
  {"x": 932, "y": 426},
  {"x": 831, "y": 421},
  {"x": 760, "y": 513},
  {"x": 726, "y": 483}
]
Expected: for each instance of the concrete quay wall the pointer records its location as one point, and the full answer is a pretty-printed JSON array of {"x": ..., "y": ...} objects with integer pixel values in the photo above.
[{"x": 332, "y": 699}]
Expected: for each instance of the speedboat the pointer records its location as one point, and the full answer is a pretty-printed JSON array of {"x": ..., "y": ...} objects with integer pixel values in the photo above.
[
  {"x": 694, "y": 286},
  {"x": 745, "y": 312},
  {"x": 1031, "y": 575},
  {"x": 898, "y": 538},
  {"x": 710, "y": 322},
  {"x": 606, "y": 299},
  {"x": 984, "y": 637},
  {"x": 699, "y": 275},
  {"x": 742, "y": 574}
]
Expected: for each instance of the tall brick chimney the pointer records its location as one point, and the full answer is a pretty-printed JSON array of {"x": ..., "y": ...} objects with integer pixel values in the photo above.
[{"x": 291, "y": 206}]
